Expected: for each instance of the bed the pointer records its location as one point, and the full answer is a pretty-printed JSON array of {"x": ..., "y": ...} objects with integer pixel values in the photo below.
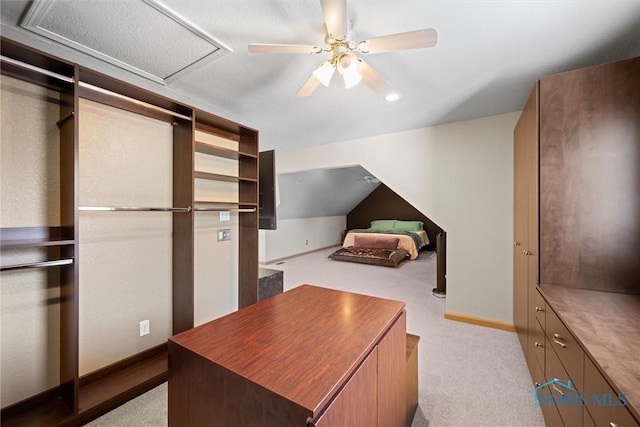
[
  {"x": 386, "y": 242},
  {"x": 411, "y": 236}
]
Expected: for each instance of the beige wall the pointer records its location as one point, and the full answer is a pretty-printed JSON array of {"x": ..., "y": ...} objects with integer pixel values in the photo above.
[
  {"x": 295, "y": 236},
  {"x": 461, "y": 176},
  {"x": 216, "y": 267},
  {"x": 125, "y": 159}
]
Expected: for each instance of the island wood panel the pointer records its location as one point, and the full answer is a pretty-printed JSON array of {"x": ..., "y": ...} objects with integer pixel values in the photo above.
[
  {"x": 392, "y": 364},
  {"x": 357, "y": 404},
  {"x": 287, "y": 357},
  {"x": 589, "y": 172}
]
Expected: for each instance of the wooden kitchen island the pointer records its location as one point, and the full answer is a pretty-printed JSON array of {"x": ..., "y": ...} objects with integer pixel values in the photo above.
[{"x": 309, "y": 356}]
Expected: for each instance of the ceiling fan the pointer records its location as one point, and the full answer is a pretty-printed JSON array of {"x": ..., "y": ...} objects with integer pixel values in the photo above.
[{"x": 341, "y": 43}]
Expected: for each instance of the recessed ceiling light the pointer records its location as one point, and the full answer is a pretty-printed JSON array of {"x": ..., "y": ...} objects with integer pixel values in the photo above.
[{"x": 392, "y": 97}]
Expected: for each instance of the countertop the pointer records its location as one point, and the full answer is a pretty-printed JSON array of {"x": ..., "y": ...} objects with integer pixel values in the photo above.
[{"x": 607, "y": 324}]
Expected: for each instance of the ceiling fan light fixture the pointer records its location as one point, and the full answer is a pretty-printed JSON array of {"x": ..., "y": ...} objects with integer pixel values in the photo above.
[
  {"x": 347, "y": 65},
  {"x": 351, "y": 77},
  {"x": 346, "y": 61},
  {"x": 324, "y": 73}
]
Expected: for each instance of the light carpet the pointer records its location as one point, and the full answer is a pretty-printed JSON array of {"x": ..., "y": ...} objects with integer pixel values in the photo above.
[{"x": 468, "y": 375}]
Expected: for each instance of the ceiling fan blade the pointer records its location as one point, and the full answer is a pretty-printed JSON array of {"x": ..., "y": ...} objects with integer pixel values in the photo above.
[
  {"x": 309, "y": 87},
  {"x": 417, "y": 39},
  {"x": 283, "y": 48},
  {"x": 371, "y": 78},
  {"x": 335, "y": 17}
]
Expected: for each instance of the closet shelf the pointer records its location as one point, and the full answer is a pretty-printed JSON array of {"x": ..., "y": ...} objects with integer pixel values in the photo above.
[
  {"x": 233, "y": 210},
  {"x": 224, "y": 205},
  {"x": 41, "y": 264},
  {"x": 24, "y": 237},
  {"x": 228, "y": 153},
  {"x": 25, "y": 243},
  {"x": 221, "y": 177}
]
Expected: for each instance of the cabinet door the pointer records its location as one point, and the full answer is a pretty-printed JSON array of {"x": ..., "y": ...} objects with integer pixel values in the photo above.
[
  {"x": 392, "y": 375},
  {"x": 605, "y": 406},
  {"x": 520, "y": 234},
  {"x": 589, "y": 164},
  {"x": 357, "y": 403},
  {"x": 525, "y": 220}
]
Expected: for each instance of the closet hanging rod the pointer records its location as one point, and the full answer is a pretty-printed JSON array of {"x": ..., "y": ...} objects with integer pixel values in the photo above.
[
  {"x": 133, "y": 209},
  {"x": 36, "y": 69},
  {"x": 234, "y": 210},
  {"x": 133, "y": 100},
  {"x": 54, "y": 263}
]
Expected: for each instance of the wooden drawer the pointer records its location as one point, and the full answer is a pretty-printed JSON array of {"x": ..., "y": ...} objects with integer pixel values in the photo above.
[
  {"x": 550, "y": 412},
  {"x": 566, "y": 347},
  {"x": 603, "y": 400},
  {"x": 540, "y": 307},
  {"x": 587, "y": 421},
  {"x": 552, "y": 416},
  {"x": 568, "y": 402},
  {"x": 538, "y": 344}
]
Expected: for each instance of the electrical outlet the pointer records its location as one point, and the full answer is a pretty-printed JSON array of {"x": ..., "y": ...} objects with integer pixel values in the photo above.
[
  {"x": 144, "y": 328},
  {"x": 224, "y": 234},
  {"x": 225, "y": 216},
  {"x": 306, "y": 242}
]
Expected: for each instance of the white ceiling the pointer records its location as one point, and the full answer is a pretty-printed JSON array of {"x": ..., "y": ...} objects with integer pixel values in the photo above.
[
  {"x": 488, "y": 55},
  {"x": 323, "y": 192}
]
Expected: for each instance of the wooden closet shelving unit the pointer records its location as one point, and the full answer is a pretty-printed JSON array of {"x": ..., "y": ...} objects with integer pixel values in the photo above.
[
  {"x": 78, "y": 399},
  {"x": 247, "y": 204}
]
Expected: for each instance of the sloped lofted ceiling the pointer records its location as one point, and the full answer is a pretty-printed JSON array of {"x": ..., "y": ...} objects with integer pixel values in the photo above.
[
  {"x": 323, "y": 192},
  {"x": 488, "y": 55}
]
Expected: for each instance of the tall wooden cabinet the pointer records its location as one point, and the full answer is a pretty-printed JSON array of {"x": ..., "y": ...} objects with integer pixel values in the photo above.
[
  {"x": 576, "y": 234},
  {"x": 77, "y": 398}
]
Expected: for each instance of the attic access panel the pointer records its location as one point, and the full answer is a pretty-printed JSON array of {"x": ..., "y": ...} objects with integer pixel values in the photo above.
[{"x": 143, "y": 36}]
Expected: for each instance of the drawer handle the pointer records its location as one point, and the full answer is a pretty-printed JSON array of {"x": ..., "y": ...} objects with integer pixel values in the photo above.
[
  {"x": 612, "y": 424},
  {"x": 539, "y": 308},
  {"x": 537, "y": 344},
  {"x": 526, "y": 252},
  {"x": 558, "y": 390},
  {"x": 558, "y": 340}
]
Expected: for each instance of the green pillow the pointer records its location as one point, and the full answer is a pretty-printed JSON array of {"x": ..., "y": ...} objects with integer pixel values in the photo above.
[
  {"x": 408, "y": 225},
  {"x": 383, "y": 224}
]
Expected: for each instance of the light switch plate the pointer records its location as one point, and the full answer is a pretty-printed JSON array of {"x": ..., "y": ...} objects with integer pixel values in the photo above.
[
  {"x": 224, "y": 234},
  {"x": 224, "y": 216}
]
